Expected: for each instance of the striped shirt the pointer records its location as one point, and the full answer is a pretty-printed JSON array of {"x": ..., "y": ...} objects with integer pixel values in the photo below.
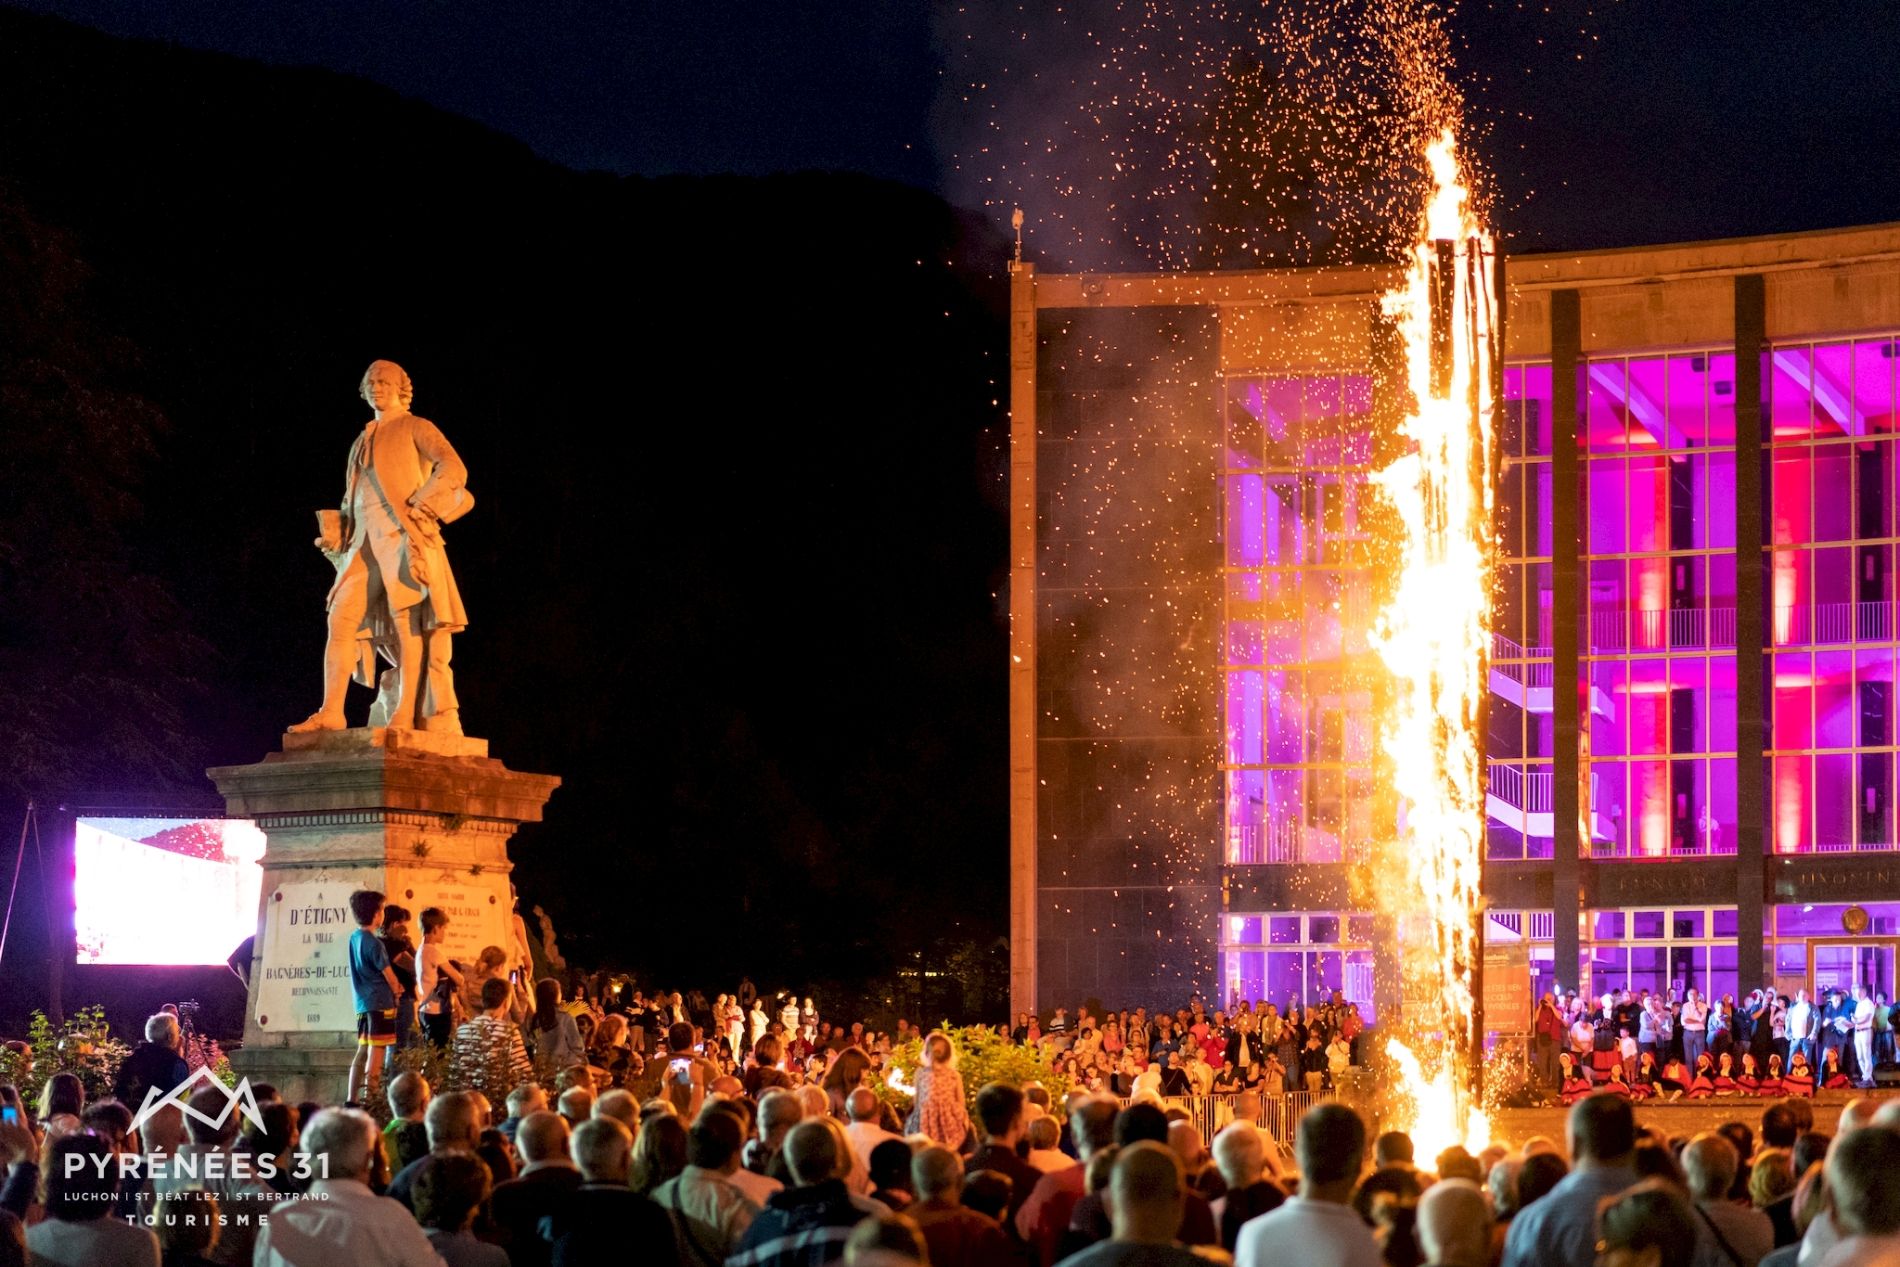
[{"x": 800, "y": 1227}]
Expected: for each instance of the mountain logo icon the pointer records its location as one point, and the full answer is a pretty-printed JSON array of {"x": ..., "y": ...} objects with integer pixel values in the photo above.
[{"x": 239, "y": 1098}]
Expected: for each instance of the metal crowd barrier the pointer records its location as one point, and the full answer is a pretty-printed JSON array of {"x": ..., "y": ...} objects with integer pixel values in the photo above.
[{"x": 1279, "y": 1114}]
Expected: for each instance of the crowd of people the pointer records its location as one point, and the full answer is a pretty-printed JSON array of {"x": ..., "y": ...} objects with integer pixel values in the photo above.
[
  {"x": 711, "y": 1171},
  {"x": 1254, "y": 1046},
  {"x": 1642, "y": 1044},
  {"x": 615, "y": 1028},
  {"x": 806, "y": 1148}
]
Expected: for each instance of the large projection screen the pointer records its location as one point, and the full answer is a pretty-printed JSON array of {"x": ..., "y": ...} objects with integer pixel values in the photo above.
[{"x": 164, "y": 891}]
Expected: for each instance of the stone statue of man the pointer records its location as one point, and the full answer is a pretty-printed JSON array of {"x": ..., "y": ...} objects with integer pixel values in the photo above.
[{"x": 394, "y": 595}]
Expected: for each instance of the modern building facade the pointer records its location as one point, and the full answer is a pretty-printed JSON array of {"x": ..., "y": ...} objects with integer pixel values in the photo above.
[{"x": 1692, "y": 715}]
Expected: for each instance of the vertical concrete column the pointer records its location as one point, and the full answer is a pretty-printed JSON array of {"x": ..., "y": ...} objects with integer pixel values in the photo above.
[
  {"x": 1751, "y": 660},
  {"x": 1391, "y": 399},
  {"x": 1566, "y": 608},
  {"x": 1022, "y": 637}
]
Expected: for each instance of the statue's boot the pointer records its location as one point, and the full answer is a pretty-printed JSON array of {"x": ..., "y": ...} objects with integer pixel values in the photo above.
[
  {"x": 339, "y": 650},
  {"x": 447, "y": 722}
]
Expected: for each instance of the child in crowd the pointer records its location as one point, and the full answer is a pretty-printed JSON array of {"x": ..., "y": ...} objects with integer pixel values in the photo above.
[{"x": 374, "y": 987}]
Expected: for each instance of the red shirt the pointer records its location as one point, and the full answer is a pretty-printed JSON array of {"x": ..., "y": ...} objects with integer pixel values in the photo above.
[{"x": 1045, "y": 1215}]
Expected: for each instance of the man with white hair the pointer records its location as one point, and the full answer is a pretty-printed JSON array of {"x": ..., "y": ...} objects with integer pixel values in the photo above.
[
  {"x": 1454, "y": 1226},
  {"x": 576, "y": 1104},
  {"x": 605, "y": 1217},
  {"x": 1710, "y": 1162},
  {"x": 526, "y": 1099},
  {"x": 1865, "y": 1200},
  {"x": 454, "y": 1122},
  {"x": 1858, "y": 1112},
  {"x": 342, "y": 1221},
  {"x": 406, "y": 1137},
  {"x": 1240, "y": 1150},
  {"x": 763, "y": 1171},
  {"x": 808, "y": 1223},
  {"x": 620, "y": 1105},
  {"x": 543, "y": 1189},
  {"x": 154, "y": 1065}
]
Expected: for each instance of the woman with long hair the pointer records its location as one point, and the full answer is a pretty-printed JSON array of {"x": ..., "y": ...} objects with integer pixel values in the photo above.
[
  {"x": 62, "y": 1104},
  {"x": 607, "y": 1048},
  {"x": 556, "y": 1038},
  {"x": 939, "y": 1109},
  {"x": 765, "y": 1072},
  {"x": 659, "y": 1153},
  {"x": 845, "y": 1075}
]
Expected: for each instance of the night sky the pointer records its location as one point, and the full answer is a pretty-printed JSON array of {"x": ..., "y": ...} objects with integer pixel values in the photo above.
[{"x": 1609, "y": 123}]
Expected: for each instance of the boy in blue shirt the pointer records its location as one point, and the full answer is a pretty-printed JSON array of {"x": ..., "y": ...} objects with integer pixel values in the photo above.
[{"x": 373, "y": 983}]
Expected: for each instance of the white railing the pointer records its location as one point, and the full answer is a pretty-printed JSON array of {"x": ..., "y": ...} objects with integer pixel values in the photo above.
[
  {"x": 1618, "y": 628},
  {"x": 1526, "y": 790},
  {"x": 1827, "y": 624},
  {"x": 1277, "y": 840},
  {"x": 1287, "y": 839},
  {"x": 1527, "y": 666}
]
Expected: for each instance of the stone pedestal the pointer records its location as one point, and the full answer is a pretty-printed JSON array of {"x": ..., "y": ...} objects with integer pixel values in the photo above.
[{"x": 424, "y": 819}]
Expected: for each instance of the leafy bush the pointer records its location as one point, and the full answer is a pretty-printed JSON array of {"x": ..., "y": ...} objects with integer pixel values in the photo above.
[
  {"x": 201, "y": 1051},
  {"x": 83, "y": 1045},
  {"x": 983, "y": 1056},
  {"x": 420, "y": 1058}
]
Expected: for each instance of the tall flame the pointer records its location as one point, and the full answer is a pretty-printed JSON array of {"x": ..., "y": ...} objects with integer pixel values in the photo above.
[{"x": 1434, "y": 638}]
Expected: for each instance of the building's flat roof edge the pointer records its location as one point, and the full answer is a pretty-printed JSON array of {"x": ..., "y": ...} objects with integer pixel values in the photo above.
[{"x": 1602, "y": 266}]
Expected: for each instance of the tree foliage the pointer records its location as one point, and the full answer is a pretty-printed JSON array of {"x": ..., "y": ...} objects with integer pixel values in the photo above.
[
  {"x": 984, "y": 1055},
  {"x": 96, "y": 656}
]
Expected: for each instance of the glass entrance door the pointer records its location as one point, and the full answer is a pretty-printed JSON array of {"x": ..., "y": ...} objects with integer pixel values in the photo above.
[{"x": 1846, "y": 962}]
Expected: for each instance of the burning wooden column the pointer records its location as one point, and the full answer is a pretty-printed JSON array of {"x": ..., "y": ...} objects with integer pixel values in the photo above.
[{"x": 1434, "y": 638}]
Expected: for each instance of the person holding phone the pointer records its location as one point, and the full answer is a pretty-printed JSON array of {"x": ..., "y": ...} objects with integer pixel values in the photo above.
[{"x": 490, "y": 966}]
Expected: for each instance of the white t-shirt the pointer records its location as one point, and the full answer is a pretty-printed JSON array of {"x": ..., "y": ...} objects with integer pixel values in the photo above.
[
  {"x": 429, "y": 958},
  {"x": 1309, "y": 1233}
]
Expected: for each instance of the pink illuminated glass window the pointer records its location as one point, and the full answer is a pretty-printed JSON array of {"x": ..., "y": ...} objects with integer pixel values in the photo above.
[
  {"x": 1298, "y": 558},
  {"x": 1658, "y": 629},
  {"x": 1828, "y": 568}
]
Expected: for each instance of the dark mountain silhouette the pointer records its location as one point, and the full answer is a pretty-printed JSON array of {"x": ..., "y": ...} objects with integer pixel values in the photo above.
[{"x": 737, "y": 446}]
